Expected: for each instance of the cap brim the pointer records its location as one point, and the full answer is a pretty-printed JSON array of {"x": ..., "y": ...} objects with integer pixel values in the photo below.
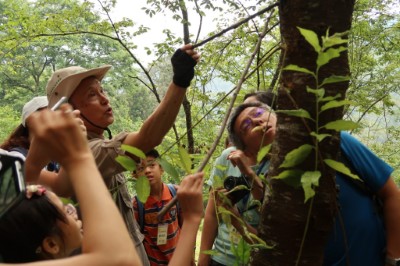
[{"x": 68, "y": 85}]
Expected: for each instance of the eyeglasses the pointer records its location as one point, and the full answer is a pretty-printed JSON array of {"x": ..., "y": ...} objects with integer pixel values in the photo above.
[
  {"x": 246, "y": 124},
  {"x": 12, "y": 184},
  {"x": 70, "y": 209}
]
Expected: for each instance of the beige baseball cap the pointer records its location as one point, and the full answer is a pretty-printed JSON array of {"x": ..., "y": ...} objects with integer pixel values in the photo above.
[
  {"x": 32, "y": 106},
  {"x": 64, "y": 81}
]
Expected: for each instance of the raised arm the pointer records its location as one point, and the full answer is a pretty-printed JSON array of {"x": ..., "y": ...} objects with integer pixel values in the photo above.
[
  {"x": 59, "y": 137},
  {"x": 160, "y": 121}
]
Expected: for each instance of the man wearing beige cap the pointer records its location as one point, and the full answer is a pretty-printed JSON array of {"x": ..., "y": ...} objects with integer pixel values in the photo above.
[{"x": 83, "y": 89}]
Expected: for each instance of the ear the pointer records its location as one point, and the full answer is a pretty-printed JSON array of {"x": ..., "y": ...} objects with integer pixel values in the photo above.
[{"x": 50, "y": 245}]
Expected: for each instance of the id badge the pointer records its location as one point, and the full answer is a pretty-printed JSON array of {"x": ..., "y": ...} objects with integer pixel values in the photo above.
[{"x": 162, "y": 233}]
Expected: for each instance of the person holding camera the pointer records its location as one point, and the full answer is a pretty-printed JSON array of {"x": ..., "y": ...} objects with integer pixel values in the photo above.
[
  {"x": 39, "y": 227},
  {"x": 237, "y": 167}
]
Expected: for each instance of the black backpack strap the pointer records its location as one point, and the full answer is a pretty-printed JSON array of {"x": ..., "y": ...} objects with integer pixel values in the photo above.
[{"x": 140, "y": 214}]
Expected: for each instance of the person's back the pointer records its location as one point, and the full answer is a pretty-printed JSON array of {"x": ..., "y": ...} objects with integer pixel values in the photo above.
[
  {"x": 160, "y": 237},
  {"x": 363, "y": 241}
]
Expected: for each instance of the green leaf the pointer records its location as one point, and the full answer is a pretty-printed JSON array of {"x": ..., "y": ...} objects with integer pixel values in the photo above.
[
  {"x": 340, "y": 125},
  {"x": 330, "y": 98},
  {"x": 311, "y": 37},
  {"x": 319, "y": 137},
  {"x": 296, "y": 156},
  {"x": 298, "y": 113},
  {"x": 318, "y": 92},
  {"x": 262, "y": 152},
  {"x": 127, "y": 162},
  {"x": 243, "y": 251},
  {"x": 334, "y": 40},
  {"x": 334, "y": 104},
  {"x": 341, "y": 168},
  {"x": 334, "y": 79},
  {"x": 185, "y": 159},
  {"x": 309, "y": 180},
  {"x": 135, "y": 151},
  {"x": 142, "y": 188},
  {"x": 290, "y": 177},
  {"x": 298, "y": 69},
  {"x": 325, "y": 57},
  {"x": 168, "y": 168}
]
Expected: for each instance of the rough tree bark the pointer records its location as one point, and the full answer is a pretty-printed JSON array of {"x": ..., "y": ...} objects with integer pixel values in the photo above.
[{"x": 284, "y": 212}]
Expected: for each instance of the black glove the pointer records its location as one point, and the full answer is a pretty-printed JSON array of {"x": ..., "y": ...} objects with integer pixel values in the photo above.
[{"x": 183, "y": 67}]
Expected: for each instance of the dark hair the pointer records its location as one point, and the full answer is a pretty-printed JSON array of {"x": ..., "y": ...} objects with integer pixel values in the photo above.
[
  {"x": 24, "y": 227},
  {"x": 153, "y": 153},
  {"x": 233, "y": 136},
  {"x": 18, "y": 138},
  {"x": 266, "y": 97}
]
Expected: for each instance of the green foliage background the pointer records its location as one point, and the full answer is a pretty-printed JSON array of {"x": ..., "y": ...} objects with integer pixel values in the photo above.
[{"x": 37, "y": 37}]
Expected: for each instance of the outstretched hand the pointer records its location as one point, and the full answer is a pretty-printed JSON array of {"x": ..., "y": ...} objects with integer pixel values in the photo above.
[
  {"x": 183, "y": 62},
  {"x": 190, "y": 197},
  {"x": 58, "y": 136}
]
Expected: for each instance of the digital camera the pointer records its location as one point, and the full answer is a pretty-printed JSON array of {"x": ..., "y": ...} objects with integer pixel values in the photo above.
[
  {"x": 232, "y": 182},
  {"x": 12, "y": 185}
]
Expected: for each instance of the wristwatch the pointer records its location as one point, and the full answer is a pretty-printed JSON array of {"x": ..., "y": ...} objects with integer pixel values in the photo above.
[{"x": 391, "y": 261}]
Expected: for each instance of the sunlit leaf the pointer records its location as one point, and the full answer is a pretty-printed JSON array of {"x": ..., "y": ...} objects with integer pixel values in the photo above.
[
  {"x": 262, "y": 152},
  {"x": 340, "y": 125},
  {"x": 298, "y": 69},
  {"x": 185, "y": 159},
  {"x": 142, "y": 188},
  {"x": 290, "y": 177},
  {"x": 311, "y": 37},
  {"x": 127, "y": 162},
  {"x": 334, "y": 104},
  {"x": 309, "y": 180},
  {"x": 319, "y": 137},
  {"x": 318, "y": 92},
  {"x": 135, "y": 151},
  {"x": 341, "y": 168},
  {"x": 299, "y": 113},
  {"x": 334, "y": 79},
  {"x": 168, "y": 168},
  {"x": 331, "y": 53},
  {"x": 297, "y": 156}
]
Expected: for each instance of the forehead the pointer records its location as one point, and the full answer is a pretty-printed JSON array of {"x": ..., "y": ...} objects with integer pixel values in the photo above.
[
  {"x": 246, "y": 113},
  {"x": 85, "y": 86}
]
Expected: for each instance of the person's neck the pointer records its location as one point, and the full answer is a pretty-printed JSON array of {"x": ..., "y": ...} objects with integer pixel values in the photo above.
[
  {"x": 252, "y": 157},
  {"x": 156, "y": 190}
]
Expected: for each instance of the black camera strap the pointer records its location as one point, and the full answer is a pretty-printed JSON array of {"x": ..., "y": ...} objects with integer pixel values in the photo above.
[{"x": 247, "y": 196}]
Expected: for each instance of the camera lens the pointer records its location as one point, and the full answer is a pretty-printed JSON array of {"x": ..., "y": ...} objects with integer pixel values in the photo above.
[{"x": 229, "y": 182}]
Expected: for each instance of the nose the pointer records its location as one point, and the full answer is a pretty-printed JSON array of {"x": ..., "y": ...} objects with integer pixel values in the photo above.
[{"x": 104, "y": 99}]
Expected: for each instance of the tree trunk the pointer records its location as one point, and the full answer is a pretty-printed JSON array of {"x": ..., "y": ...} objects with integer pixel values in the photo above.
[{"x": 284, "y": 221}]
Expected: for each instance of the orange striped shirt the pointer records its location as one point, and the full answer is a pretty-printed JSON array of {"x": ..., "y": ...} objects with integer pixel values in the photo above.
[{"x": 159, "y": 254}]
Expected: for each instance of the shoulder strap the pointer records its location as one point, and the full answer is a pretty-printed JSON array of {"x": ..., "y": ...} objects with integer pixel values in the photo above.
[
  {"x": 172, "y": 190},
  {"x": 359, "y": 184},
  {"x": 140, "y": 213}
]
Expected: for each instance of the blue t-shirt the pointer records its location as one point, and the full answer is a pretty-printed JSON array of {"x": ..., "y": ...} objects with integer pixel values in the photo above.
[{"x": 364, "y": 229}]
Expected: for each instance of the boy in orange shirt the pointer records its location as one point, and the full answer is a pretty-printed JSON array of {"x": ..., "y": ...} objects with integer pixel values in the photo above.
[{"x": 162, "y": 237}]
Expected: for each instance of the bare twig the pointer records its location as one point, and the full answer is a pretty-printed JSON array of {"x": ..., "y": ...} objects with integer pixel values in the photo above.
[
  {"x": 234, "y": 26},
  {"x": 224, "y": 122}
]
